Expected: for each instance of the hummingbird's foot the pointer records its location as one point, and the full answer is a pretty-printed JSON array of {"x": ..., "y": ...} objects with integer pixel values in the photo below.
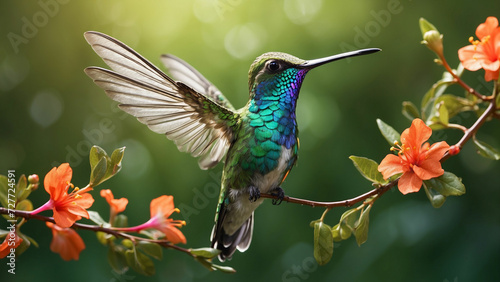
[
  {"x": 254, "y": 193},
  {"x": 278, "y": 192}
]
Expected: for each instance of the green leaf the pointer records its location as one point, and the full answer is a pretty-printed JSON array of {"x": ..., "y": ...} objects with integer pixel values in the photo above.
[
  {"x": 21, "y": 186},
  {"x": 410, "y": 110},
  {"x": 486, "y": 150},
  {"x": 98, "y": 172},
  {"x": 97, "y": 219},
  {"x": 361, "y": 232},
  {"x": 455, "y": 105},
  {"x": 102, "y": 166},
  {"x": 151, "y": 249},
  {"x": 225, "y": 269},
  {"x": 447, "y": 184},
  {"x": 3, "y": 191},
  {"x": 25, "y": 244},
  {"x": 208, "y": 253},
  {"x": 336, "y": 233},
  {"x": 368, "y": 169},
  {"x": 389, "y": 133},
  {"x": 3, "y": 233},
  {"x": 350, "y": 217},
  {"x": 426, "y": 26},
  {"x": 121, "y": 220},
  {"x": 434, "y": 93},
  {"x": 436, "y": 199},
  {"x": 439, "y": 117},
  {"x": 140, "y": 262},
  {"x": 205, "y": 262},
  {"x": 32, "y": 241},
  {"x": 117, "y": 261},
  {"x": 116, "y": 161},
  {"x": 24, "y": 205},
  {"x": 95, "y": 155},
  {"x": 323, "y": 243}
]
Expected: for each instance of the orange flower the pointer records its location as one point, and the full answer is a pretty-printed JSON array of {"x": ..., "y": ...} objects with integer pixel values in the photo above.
[
  {"x": 161, "y": 208},
  {"x": 67, "y": 208},
  {"x": 416, "y": 160},
  {"x": 8, "y": 244},
  {"x": 66, "y": 242},
  {"x": 117, "y": 205},
  {"x": 485, "y": 52}
]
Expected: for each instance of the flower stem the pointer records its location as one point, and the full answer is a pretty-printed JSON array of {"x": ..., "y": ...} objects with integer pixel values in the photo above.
[
  {"x": 47, "y": 206},
  {"x": 462, "y": 83},
  {"x": 151, "y": 223}
]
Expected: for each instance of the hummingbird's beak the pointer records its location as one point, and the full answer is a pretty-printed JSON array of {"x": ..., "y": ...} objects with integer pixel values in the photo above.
[{"x": 318, "y": 62}]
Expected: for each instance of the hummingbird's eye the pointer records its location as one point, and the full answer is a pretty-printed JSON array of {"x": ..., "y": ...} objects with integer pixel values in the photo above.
[{"x": 273, "y": 66}]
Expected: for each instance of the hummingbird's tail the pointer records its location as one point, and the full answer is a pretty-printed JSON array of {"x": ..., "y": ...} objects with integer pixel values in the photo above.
[{"x": 228, "y": 244}]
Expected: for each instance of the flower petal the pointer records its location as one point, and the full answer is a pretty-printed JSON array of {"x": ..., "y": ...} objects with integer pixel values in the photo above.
[
  {"x": 437, "y": 150},
  {"x": 409, "y": 182},
  {"x": 163, "y": 204},
  {"x": 491, "y": 75},
  {"x": 428, "y": 170},
  {"x": 57, "y": 180},
  {"x": 85, "y": 201},
  {"x": 64, "y": 218},
  {"x": 416, "y": 135},
  {"x": 391, "y": 165},
  {"x": 487, "y": 28},
  {"x": 66, "y": 242},
  {"x": 472, "y": 57},
  {"x": 174, "y": 235}
]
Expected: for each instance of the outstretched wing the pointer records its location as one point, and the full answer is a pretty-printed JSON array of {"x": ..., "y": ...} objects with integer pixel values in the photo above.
[
  {"x": 194, "y": 122},
  {"x": 182, "y": 71}
]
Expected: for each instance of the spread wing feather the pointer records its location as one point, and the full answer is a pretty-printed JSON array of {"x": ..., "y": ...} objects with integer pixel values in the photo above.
[
  {"x": 196, "y": 123},
  {"x": 182, "y": 71}
]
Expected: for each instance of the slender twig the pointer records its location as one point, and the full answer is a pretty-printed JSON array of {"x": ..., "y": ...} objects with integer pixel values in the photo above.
[
  {"x": 462, "y": 83},
  {"x": 97, "y": 228},
  {"x": 345, "y": 203}
]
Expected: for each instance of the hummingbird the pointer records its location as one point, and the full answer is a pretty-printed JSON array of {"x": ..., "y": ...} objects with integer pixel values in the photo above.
[{"x": 258, "y": 144}]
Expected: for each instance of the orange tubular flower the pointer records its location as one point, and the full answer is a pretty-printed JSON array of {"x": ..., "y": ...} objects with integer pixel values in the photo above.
[
  {"x": 161, "y": 208},
  {"x": 117, "y": 205},
  {"x": 9, "y": 244},
  {"x": 416, "y": 160},
  {"x": 67, "y": 208},
  {"x": 485, "y": 52},
  {"x": 66, "y": 242}
]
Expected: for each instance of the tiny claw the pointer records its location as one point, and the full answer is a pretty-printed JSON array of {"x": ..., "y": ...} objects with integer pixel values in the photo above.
[
  {"x": 254, "y": 193},
  {"x": 278, "y": 192}
]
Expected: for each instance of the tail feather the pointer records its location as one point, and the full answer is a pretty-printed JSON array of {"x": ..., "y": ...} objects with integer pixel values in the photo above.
[{"x": 228, "y": 244}]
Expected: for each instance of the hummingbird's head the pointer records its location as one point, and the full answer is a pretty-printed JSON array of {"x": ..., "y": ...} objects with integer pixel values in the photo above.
[
  {"x": 283, "y": 70},
  {"x": 271, "y": 66}
]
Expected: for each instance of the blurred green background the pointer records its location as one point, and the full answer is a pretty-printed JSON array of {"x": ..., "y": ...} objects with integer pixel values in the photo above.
[{"x": 51, "y": 112}]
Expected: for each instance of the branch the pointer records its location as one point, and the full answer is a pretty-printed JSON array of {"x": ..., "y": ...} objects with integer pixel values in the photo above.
[
  {"x": 345, "y": 203},
  {"x": 96, "y": 228},
  {"x": 462, "y": 83}
]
